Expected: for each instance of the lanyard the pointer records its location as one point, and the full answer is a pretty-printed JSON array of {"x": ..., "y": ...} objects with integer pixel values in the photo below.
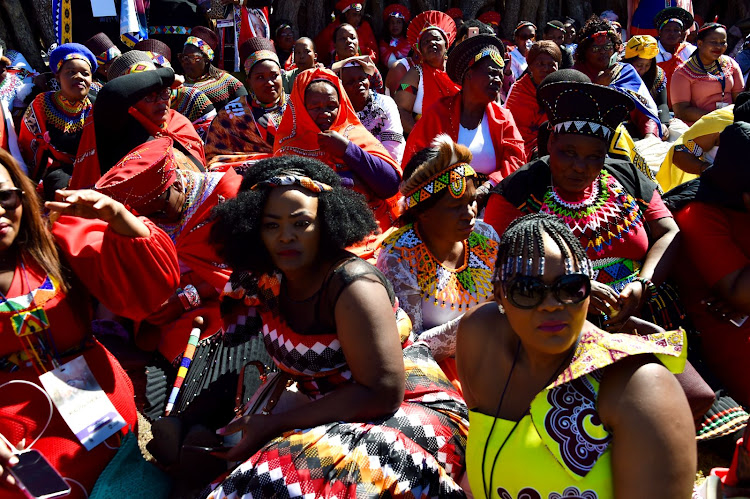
[{"x": 721, "y": 79}]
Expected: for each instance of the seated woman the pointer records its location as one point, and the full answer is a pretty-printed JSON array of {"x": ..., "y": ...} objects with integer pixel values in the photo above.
[
  {"x": 523, "y": 36},
  {"x": 196, "y": 58},
  {"x": 672, "y": 24},
  {"x": 351, "y": 13},
  {"x": 709, "y": 80},
  {"x": 245, "y": 130},
  {"x": 640, "y": 52},
  {"x": 52, "y": 126},
  {"x": 394, "y": 45},
  {"x": 347, "y": 46},
  {"x": 132, "y": 109},
  {"x": 320, "y": 123},
  {"x": 377, "y": 112},
  {"x": 558, "y": 407},
  {"x": 596, "y": 57},
  {"x": 614, "y": 210},
  {"x": 283, "y": 42},
  {"x": 372, "y": 421},
  {"x": 473, "y": 117},
  {"x": 440, "y": 260},
  {"x": 47, "y": 280},
  {"x": 715, "y": 289},
  {"x": 431, "y": 33},
  {"x": 190, "y": 102},
  {"x": 694, "y": 151},
  {"x": 543, "y": 59},
  {"x": 304, "y": 57}
]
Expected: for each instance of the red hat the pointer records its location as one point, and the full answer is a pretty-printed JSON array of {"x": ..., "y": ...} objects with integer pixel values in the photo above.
[
  {"x": 490, "y": 17},
  {"x": 397, "y": 10},
  {"x": 344, "y": 5},
  {"x": 142, "y": 175},
  {"x": 455, "y": 13},
  {"x": 431, "y": 19}
]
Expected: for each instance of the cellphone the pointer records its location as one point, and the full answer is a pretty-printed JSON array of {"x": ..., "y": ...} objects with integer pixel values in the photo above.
[
  {"x": 473, "y": 31},
  {"x": 219, "y": 449},
  {"x": 36, "y": 478},
  {"x": 738, "y": 322}
]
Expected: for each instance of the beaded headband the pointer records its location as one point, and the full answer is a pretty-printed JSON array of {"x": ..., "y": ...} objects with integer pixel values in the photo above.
[
  {"x": 71, "y": 57},
  {"x": 518, "y": 266},
  {"x": 260, "y": 55},
  {"x": 672, "y": 20},
  {"x": 600, "y": 37},
  {"x": 108, "y": 55},
  {"x": 356, "y": 6},
  {"x": 202, "y": 46},
  {"x": 294, "y": 179},
  {"x": 428, "y": 28},
  {"x": 523, "y": 24},
  {"x": 454, "y": 178},
  {"x": 490, "y": 52},
  {"x": 159, "y": 59}
]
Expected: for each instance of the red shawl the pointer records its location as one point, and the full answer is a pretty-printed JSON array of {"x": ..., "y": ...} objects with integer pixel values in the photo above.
[
  {"x": 400, "y": 50},
  {"x": 670, "y": 66},
  {"x": 445, "y": 117},
  {"x": 437, "y": 85},
  {"x": 87, "y": 170},
  {"x": 298, "y": 135},
  {"x": 526, "y": 111}
]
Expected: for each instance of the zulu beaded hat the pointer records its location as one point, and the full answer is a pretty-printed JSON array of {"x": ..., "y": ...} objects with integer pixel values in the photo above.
[
  {"x": 678, "y": 14},
  {"x": 132, "y": 61},
  {"x": 584, "y": 108},
  {"x": 155, "y": 46}
]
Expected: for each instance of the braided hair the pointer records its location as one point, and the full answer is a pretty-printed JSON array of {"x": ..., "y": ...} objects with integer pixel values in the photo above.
[
  {"x": 592, "y": 26},
  {"x": 521, "y": 250}
]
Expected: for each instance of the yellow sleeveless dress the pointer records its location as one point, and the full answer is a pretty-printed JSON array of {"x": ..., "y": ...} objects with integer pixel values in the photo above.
[{"x": 560, "y": 449}]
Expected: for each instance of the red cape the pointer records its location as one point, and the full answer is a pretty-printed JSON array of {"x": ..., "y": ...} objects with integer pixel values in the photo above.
[
  {"x": 527, "y": 113},
  {"x": 445, "y": 117}
]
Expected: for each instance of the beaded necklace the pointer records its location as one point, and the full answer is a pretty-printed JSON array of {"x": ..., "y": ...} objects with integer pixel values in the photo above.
[
  {"x": 607, "y": 215},
  {"x": 65, "y": 114}
]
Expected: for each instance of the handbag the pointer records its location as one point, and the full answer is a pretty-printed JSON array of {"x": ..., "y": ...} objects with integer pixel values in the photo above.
[{"x": 266, "y": 396}]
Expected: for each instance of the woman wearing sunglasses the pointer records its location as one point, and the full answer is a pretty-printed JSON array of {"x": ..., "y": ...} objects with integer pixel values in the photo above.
[
  {"x": 132, "y": 108},
  {"x": 614, "y": 210},
  {"x": 47, "y": 280},
  {"x": 558, "y": 407}
]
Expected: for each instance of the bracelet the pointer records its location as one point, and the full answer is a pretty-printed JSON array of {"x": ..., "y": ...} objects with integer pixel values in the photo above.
[
  {"x": 648, "y": 286},
  {"x": 183, "y": 299},
  {"x": 192, "y": 296}
]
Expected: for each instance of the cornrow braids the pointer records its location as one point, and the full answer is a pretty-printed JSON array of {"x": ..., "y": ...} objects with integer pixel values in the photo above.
[{"x": 521, "y": 250}]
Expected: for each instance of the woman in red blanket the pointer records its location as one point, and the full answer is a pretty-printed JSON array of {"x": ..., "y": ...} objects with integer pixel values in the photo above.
[
  {"x": 351, "y": 12},
  {"x": 47, "y": 278},
  {"x": 130, "y": 110},
  {"x": 394, "y": 45},
  {"x": 473, "y": 117},
  {"x": 431, "y": 33},
  {"x": 543, "y": 59},
  {"x": 320, "y": 122}
]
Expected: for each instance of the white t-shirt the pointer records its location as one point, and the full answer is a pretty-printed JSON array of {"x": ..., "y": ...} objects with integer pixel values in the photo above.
[
  {"x": 518, "y": 63},
  {"x": 479, "y": 142}
]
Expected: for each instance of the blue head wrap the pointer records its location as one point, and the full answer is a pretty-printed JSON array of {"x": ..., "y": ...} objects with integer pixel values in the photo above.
[{"x": 70, "y": 51}]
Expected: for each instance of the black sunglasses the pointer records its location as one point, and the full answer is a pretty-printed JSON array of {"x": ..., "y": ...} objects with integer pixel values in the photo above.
[
  {"x": 10, "y": 199},
  {"x": 529, "y": 292}
]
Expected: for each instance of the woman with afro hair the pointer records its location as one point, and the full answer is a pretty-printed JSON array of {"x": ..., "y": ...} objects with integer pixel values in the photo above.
[{"x": 356, "y": 424}]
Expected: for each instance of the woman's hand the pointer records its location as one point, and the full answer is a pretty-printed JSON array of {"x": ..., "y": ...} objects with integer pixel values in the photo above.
[
  {"x": 7, "y": 460},
  {"x": 170, "y": 310},
  {"x": 257, "y": 429},
  {"x": 630, "y": 302},
  {"x": 92, "y": 204},
  {"x": 604, "y": 299},
  {"x": 331, "y": 141},
  {"x": 178, "y": 81}
]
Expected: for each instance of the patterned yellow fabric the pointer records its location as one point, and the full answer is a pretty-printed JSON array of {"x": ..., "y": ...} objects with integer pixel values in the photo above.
[{"x": 561, "y": 448}]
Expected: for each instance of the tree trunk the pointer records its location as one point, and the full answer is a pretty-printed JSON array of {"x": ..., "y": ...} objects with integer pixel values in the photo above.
[
  {"x": 471, "y": 7},
  {"x": 43, "y": 17},
  {"x": 579, "y": 9},
  {"x": 510, "y": 17},
  {"x": 28, "y": 45}
]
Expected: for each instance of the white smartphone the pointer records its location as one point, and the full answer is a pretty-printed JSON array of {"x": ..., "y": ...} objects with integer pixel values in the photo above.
[{"x": 36, "y": 478}]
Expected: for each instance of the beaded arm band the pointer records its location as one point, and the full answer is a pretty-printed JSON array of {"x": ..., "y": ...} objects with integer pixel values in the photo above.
[
  {"x": 648, "y": 287},
  {"x": 189, "y": 297}
]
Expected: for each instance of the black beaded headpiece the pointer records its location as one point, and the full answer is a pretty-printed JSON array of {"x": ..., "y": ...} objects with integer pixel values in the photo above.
[{"x": 584, "y": 108}]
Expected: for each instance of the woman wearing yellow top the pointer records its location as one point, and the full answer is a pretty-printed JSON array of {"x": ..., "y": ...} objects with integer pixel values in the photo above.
[{"x": 558, "y": 407}]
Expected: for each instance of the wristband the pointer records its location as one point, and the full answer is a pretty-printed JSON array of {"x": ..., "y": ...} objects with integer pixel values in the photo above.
[
  {"x": 192, "y": 296},
  {"x": 183, "y": 299},
  {"x": 648, "y": 286}
]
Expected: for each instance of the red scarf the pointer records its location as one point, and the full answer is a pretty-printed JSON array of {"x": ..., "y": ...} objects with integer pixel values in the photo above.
[{"x": 437, "y": 84}]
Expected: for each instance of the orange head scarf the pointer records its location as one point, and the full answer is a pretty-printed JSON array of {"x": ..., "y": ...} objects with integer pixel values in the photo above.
[{"x": 298, "y": 133}]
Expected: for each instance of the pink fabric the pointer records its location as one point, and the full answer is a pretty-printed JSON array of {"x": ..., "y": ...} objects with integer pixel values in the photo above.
[{"x": 703, "y": 93}]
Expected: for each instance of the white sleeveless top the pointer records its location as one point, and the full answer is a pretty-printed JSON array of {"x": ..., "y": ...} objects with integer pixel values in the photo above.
[{"x": 479, "y": 142}]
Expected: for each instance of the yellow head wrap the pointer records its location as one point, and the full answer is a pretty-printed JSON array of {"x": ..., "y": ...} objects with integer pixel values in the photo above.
[{"x": 643, "y": 46}]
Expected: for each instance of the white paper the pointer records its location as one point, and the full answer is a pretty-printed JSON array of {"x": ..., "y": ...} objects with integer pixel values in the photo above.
[
  {"x": 103, "y": 8},
  {"x": 82, "y": 403}
]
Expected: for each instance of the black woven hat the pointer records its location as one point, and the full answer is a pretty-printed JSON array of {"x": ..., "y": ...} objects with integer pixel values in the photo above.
[
  {"x": 463, "y": 55},
  {"x": 254, "y": 45},
  {"x": 155, "y": 46},
  {"x": 584, "y": 108},
  {"x": 685, "y": 17},
  {"x": 124, "y": 63}
]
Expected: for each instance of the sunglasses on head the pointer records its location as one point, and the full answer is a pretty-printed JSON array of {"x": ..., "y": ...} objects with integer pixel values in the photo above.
[
  {"x": 529, "y": 292},
  {"x": 10, "y": 199}
]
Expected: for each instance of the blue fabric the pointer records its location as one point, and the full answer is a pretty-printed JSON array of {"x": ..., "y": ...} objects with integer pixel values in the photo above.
[
  {"x": 61, "y": 52},
  {"x": 631, "y": 84},
  {"x": 644, "y": 14}
]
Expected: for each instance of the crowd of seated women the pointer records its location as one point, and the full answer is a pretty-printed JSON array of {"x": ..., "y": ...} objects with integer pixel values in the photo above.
[{"x": 357, "y": 269}]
